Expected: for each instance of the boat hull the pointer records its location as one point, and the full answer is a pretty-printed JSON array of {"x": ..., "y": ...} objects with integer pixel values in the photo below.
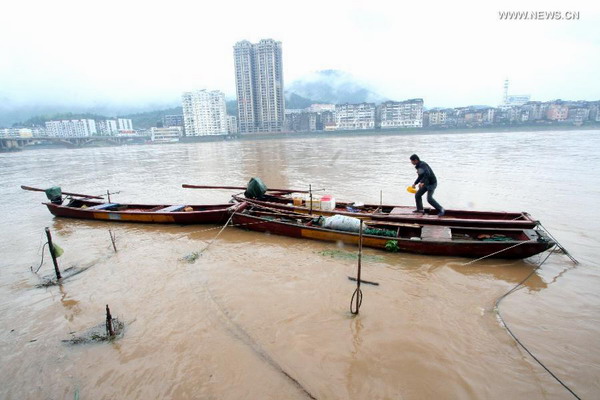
[
  {"x": 513, "y": 249},
  {"x": 209, "y": 214}
]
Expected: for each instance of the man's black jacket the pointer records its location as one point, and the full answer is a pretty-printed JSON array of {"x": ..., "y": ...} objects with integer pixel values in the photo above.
[{"x": 426, "y": 175}]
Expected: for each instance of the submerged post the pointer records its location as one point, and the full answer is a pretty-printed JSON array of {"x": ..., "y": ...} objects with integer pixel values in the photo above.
[
  {"x": 311, "y": 197},
  {"x": 108, "y": 195},
  {"x": 112, "y": 239},
  {"x": 356, "y": 300},
  {"x": 52, "y": 254},
  {"x": 110, "y": 332}
]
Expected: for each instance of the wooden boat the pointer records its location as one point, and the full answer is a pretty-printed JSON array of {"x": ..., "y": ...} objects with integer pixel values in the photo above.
[
  {"x": 80, "y": 206},
  {"x": 466, "y": 218},
  {"x": 147, "y": 213},
  {"x": 436, "y": 240}
]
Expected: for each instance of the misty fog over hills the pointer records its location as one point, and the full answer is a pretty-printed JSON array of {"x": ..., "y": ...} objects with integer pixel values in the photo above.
[
  {"x": 327, "y": 86},
  {"x": 333, "y": 86}
]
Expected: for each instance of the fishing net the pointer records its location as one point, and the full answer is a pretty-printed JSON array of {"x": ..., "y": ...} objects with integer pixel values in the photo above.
[{"x": 380, "y": 232}]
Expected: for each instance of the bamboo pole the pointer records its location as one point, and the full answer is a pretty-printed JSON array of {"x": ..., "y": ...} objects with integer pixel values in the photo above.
[
  {"x": 88, "y": 196},
  {"x": 187, "y": 186}
]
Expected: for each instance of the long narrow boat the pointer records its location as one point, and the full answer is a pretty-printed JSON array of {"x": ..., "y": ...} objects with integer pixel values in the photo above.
[
  {"x": 467, "y": 218},
  {"x": 147, "y": 213},
  {"x": 436, "y": 240},
  {"x": 76, "y": 205}
]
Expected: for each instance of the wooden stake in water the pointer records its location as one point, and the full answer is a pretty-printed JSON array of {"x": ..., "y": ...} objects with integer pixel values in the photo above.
[
  {"x": 108, "y": 195},
  {"x": 112, "y": 239},
  {"x": 356, "y": 300},
  {"x": 110, "y": 331},
  {"x": 51, "y": 248},
  {"x": 311, "y": 197}
]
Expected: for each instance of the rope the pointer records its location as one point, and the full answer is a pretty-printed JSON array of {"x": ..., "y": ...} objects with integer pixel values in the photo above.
[
  {"x": 355, "y": 306},
  {"x": 218, "y": 234},
  {"x": 560, "y": 246},
  {"x": 240, "y": 333},
  {"x": 41, "y": 262},
  {"x": 499, "y": 251},
  {"x": 497, "y": 310}
]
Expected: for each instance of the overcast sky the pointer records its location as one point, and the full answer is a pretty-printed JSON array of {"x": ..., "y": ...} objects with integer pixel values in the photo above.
[{"x": 450, "y": 53}]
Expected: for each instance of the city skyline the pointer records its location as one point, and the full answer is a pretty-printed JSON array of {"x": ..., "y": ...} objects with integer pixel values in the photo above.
[{"x": 448, "y": 55}]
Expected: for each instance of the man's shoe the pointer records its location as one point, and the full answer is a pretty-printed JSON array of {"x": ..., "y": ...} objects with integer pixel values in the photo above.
[
  {"x": 418, "y": 211},
  {"x": 442, "y": 213}
]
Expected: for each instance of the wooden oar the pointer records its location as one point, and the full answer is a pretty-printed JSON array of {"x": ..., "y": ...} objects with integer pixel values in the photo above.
[
  {"x": 88, "y": 196},
  {"x": 186, "y": 186}
]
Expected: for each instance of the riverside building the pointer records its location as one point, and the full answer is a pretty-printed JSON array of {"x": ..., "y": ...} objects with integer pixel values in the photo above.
[
  {"x": 71, "y": 128},
  {"x": 401, "y": 114},
  {"x": 204, "y": 113},
  {"x": 355, "y": 116}
]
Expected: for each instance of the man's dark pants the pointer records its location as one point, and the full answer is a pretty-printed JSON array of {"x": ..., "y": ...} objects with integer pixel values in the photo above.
[{"x": 430, "y": 189}]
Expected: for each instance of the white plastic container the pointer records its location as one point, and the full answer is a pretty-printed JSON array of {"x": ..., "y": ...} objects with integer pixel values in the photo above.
[{"x": 327, "y": 203}]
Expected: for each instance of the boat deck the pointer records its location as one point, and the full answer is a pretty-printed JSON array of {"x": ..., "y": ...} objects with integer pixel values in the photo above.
[{"x": 436, "y": 232}]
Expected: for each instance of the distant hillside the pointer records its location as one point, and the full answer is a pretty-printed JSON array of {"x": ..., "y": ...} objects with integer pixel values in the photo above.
[
  {"x": 40, "y": 120},
  {"x": 231, "y": 107},
  {"x": 140, "y": 120},
  {"x": 149, "y": 119},
  {"x": 293, "y": 100},
  {"x": 332, "y": 86}
]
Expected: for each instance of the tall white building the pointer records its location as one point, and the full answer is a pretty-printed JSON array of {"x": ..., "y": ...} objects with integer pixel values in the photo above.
[
  {"x": 107, "y": 127},
  {"x": 71, "y": 128},
  {"x": 204, "y": 113},
  {"x": 124, "y": 124},
  {"x": 401, "y": 114},
  {"x": 355, "y": 116},
  {"x": 259, "y": 86}
]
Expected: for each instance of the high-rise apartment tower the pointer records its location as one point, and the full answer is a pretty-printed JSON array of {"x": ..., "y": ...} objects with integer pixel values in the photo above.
[{"x": 259, "y": 86}]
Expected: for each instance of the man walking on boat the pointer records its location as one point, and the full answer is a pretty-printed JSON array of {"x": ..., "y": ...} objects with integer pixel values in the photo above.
[{"x": 427, "y": 183}]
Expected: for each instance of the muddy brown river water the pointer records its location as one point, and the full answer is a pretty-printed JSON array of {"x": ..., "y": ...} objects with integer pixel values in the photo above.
[{"x": 266, "y": 317}]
